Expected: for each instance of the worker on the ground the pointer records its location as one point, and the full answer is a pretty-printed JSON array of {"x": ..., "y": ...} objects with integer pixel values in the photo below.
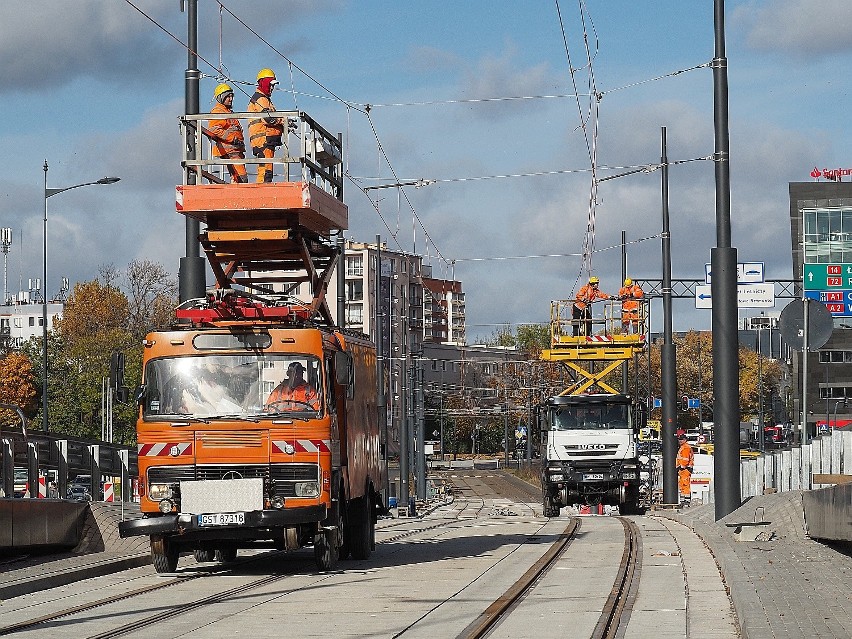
[
  {"x": 630, "y": 294},
  {"x": 227, "y": 134},
  {"x": 684, "y": 464},
  {"x": 265, "y": 134},
  {"x": 582, "y": 310}
]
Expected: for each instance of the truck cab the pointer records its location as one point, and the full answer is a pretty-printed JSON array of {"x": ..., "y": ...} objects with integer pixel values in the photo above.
[{"x": 590, "y": 452}]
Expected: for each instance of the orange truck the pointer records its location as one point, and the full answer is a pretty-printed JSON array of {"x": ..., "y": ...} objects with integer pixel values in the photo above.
[{"x": 225, "y": 462}]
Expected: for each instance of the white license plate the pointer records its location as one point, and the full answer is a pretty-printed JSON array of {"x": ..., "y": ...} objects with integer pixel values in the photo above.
[
  {"x": 589, "y": 476},
  {"x": 221, "y": 519}
]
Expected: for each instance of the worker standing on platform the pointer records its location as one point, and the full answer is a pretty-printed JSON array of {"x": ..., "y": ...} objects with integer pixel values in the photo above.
[
  {"x": 227, "y": 134},
  {"x": 630, "y": 294},
  {"x": 684, "y": 463},
  {"x": 265, "y": 134},
  {"x": 582, "y": 310}
]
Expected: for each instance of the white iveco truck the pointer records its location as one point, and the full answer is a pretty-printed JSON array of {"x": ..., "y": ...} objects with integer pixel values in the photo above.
[{"x": 589, "y": 453}]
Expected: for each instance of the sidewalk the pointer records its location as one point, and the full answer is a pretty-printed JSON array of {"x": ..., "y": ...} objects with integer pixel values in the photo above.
[{"x": 784, "y": 584}]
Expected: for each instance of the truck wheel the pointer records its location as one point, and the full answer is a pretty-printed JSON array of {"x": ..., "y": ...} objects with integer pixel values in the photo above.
[
  {"x": 550, "y": 509},
  {"x": 164, "y": 554},
  {"x": 203, "y": 556},
  {"x": 325, "y": 551},
  {"x": 226, "y": 554},
  {"x": 361, "y": 528}
]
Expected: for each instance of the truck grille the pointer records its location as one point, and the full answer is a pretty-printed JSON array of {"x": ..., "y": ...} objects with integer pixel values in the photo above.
[{"x": 282, "y": 476}]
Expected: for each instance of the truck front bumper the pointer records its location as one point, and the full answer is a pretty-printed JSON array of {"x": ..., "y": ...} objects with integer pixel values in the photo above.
[{"x": 187, "y": 524}]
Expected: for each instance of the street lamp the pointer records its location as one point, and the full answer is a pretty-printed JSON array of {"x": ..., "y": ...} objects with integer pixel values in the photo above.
[{"x": 48, "y": 193}]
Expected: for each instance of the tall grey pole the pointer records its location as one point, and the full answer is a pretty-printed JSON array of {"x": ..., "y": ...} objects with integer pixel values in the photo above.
[
  {"x": 420, "y": 465},
  {"x": 759, "y": 390},
  {"x": 191, "y": 278},
  {"x": 803, "y": 435},
  {"x": 44, "y": 421},
  {"x": 625, "y": 372},
  {"x": 381, "y": 401},
  {"x": 404, "y": 431},
  {"x": 341, "y": 280},
  {"x": 723, "y": 265},
  {"x": 668, "y": 351}
]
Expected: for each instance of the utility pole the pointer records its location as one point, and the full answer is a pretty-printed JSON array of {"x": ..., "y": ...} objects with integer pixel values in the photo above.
[
  {"x": 625, "y": 378},
  {"x": 421, "y": 431},
  {"x": 668, "y": 351},
  {"x": 191, "y": 278},
  {"x": 380, "y": 362},
  {"x": 723, "y": 264}
]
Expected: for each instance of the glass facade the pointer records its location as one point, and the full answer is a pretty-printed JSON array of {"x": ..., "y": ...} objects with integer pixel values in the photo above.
[{"x": 828, "y": 235}]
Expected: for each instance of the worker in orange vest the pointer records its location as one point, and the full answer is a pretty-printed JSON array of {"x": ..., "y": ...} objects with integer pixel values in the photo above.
[
  {"x": 265, "y": 134},
  {"x": 582, "y": 311},
  {"x": 630, "y": 294},
  {"x": 684, "y": 464},
  {"x": 294, "y": 393},
  {"x": 227, "y": 134}
]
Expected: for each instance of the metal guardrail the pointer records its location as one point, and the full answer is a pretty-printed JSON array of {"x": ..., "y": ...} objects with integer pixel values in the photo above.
[{"x": 53, "y": 455}]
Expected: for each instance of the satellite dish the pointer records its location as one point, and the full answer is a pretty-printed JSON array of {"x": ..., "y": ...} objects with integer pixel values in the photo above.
[{"x": 792, "y": 324}]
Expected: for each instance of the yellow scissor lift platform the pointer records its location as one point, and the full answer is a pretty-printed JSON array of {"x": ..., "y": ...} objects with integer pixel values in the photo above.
[
  {"x": 581, "y": 353},
  {"x": 260, "y": 234}
]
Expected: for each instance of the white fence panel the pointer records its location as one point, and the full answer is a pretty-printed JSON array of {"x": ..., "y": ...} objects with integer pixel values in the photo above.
[{"x": 796, "y": 472}]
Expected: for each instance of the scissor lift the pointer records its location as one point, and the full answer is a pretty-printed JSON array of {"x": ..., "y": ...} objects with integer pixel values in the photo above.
[
  {"x": 261, "y": 234},
  {"x": 604, "y": 351}
]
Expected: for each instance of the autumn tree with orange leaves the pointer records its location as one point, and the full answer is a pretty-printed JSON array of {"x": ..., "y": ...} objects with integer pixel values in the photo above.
[{"x": 17, "y": 388}]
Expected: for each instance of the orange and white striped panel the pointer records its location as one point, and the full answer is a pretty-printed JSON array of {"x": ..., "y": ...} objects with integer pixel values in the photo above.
[
  {"x": 165, "y": 449},
  {"x": 109, "y": 492},
  {"x": 304, "y": 446}
]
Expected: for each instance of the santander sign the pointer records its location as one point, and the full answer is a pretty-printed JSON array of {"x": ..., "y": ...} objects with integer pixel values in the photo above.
[{"x": 830, "y": 174}]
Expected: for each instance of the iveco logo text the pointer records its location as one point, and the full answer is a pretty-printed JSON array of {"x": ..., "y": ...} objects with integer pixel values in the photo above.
[{"x": 592, "y": 446}]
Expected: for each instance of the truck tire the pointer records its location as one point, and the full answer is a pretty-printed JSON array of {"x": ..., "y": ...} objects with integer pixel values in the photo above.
[
  {"x": 550, "y": 509},
  {"x": 225, "y": 554},
  {"x": 203, "y": 556},
  {"x": 325, "y": 551},
  {"x": 361, "y": 528},
  {"x": 164, "y": 554}
]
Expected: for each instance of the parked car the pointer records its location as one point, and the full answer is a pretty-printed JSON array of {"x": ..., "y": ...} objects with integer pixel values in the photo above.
[
  {"x": 21, "y": 483},
  {"x": 79, "y": 492}
]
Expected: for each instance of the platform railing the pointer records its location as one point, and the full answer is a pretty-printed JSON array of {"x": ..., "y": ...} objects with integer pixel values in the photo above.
[
  {"x": 607, "y": 321},
  {"x": 309, "y": 152}
]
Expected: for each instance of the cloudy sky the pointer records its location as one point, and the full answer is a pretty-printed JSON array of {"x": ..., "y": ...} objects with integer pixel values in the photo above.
[{"x": 95, "y": 87}]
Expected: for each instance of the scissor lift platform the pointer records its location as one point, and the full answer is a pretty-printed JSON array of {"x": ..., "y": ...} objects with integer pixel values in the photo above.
[{"x": 262, "y": 234}]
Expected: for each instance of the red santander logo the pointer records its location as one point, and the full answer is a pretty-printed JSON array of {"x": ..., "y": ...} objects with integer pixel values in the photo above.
[{"x": 830, "y": 174}]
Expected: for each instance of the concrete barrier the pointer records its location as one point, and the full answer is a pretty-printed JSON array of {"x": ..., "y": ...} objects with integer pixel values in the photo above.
[{"x": 33, "y": 523}]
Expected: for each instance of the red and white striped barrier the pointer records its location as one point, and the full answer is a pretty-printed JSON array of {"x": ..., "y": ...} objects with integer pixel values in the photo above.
[
  {"x": 42, "y": 487},
  {"x": 109, "y": 492}
]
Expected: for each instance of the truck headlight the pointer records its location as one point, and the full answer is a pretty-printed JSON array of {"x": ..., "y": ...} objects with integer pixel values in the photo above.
[
  {"x": 157, "y": 492},
  {"x": 307, "y": 489}
]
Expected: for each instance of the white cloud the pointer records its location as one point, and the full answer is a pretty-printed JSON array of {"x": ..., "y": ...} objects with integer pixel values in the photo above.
[{"x": 797, "y": 27}]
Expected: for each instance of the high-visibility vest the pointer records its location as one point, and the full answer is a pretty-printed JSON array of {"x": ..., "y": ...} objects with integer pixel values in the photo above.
[
  {"x": 587, "y": 295},
  {"x": 633, "y": 293},
  {"x": 685, "y": 456},
  {"x": 227, "y": 135},
  {"x": 264, "y": 132},
  {"x": 304, "y": 393}
]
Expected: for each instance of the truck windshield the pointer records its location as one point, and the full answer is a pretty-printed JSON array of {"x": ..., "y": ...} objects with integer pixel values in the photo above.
[
  {"x": 238, "y": 386},
  {"x": 597, "y": 417}
]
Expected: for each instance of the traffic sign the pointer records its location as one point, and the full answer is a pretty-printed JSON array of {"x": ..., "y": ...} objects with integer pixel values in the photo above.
[
  {"x": 827, "y": 277},
  {"x": 694, "y": 402},
  {"x": 747, "y": 273},
  {"x": 748, "y": 296},
  {"x": 838, "y": 303},
  {"x": 658, "y": 402},
  {"x": 792, "y": 324}
]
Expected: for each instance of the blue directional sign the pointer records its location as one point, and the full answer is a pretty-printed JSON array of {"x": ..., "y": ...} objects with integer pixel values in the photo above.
[
  {"x": 839, "y": 303},
  {"x": 658, "y": 402},
  {"x": 694, "y": 402}
]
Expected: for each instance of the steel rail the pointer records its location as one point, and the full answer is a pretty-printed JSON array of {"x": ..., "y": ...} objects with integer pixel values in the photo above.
[
  {"x": 616, "y": 610},
  {"x": 486, "y": 622}
]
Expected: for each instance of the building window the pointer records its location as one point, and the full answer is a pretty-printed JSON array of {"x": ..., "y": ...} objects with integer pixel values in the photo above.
[
  {"x": 355, "y": 290},
  {"x": 354, "y": 314},
  {"x": 835, "y": 392},
  {"x": 835, "y": 357},
  {"x": 354, "y": 266},
  {"x": 32, "y": 321},
  {"x": 828, "y": 235}
]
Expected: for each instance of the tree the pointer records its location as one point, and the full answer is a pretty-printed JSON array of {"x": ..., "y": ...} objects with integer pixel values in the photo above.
[
  {"x": 17, "y": 387},
  {"x": 152, "y": 297}
]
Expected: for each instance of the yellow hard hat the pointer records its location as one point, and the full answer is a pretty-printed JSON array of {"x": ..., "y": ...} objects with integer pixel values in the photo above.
[
  {"x": 222, "y": 88},
  {"x": 593, "y": 280},
  {"x": 628, "y": 282},
  {"x": 266, "y": 73}
]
